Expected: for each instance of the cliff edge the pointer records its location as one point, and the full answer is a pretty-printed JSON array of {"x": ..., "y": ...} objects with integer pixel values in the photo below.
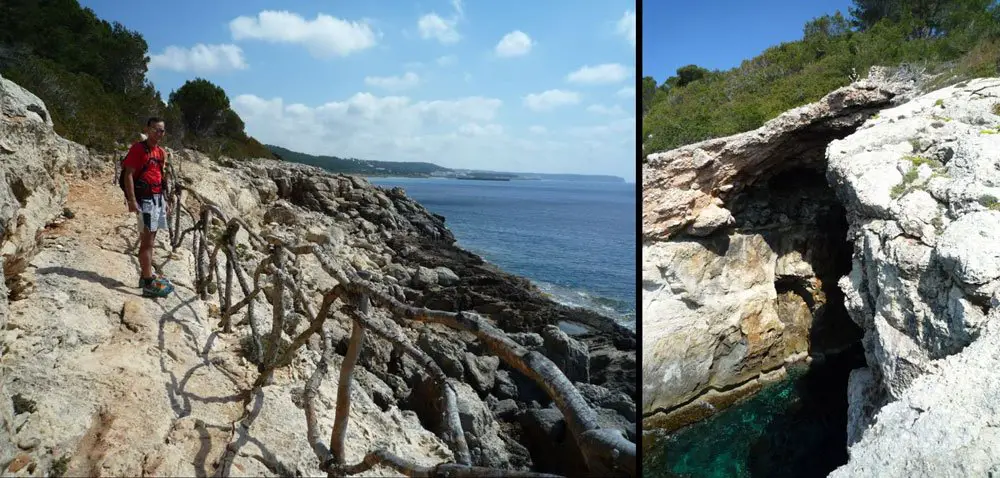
[{"x": 866, "y": 221}]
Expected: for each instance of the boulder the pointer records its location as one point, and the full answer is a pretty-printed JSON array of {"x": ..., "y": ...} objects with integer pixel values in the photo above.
[
  {"x": 481, "y": 429},
  {"x": 424, "y": 278},
  {"x": 448, "y": 354},
  {"x": 481, "y": 372},
  {"x": 446, "y": 277},
  {"x": 567, "y": 353}
]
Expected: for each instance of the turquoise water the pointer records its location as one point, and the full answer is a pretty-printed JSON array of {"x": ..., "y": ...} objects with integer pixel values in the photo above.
[
  {"x": 574, "y": 239},
  {"x": 796, "y": 428}
]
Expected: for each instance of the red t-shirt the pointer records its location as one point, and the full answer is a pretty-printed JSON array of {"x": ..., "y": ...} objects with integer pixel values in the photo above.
[{"x": 137, "y": 158}]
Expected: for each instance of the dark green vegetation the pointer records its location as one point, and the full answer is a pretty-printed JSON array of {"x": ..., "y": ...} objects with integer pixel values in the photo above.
[
  {"x": 91, "y": 74},
  {"x": 953, "y": 39},
  {"x": 359, "y": 166},
  {"x": 365, "y": 167}
]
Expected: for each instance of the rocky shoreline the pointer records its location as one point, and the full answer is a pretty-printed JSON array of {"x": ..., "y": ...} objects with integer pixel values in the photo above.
[
  {"x": 509, "y": 422},
  {"x": 427, "y": 269}
]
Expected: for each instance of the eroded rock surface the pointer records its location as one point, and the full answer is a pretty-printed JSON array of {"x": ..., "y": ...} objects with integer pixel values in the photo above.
[
  {"x": 743, "y": 245},
  {"x": 919, "y": 183}
]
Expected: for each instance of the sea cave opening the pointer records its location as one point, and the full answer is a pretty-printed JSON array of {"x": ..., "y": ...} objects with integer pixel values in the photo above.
[{"x": 797, "y": 427}]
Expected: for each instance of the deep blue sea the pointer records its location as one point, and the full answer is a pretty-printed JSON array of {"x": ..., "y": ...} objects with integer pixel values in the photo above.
[{"x": 575, "y": 240}]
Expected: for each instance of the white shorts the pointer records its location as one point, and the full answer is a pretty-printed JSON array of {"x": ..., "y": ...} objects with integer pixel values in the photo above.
[{"x": 152, "y": 213}]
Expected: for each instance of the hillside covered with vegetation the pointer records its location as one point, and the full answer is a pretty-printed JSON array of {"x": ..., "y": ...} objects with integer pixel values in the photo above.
[
  {"x": 91, "y": 74},
  {"x": 953, "y": 40},
  {"x": 358, "y": 166}
]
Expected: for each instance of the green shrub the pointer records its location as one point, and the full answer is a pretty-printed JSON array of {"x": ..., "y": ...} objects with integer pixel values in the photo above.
[
  {"x": 989, "y": 202},
  {"x": 964, "y": 44},
  {"x": 91, "y": 74}
]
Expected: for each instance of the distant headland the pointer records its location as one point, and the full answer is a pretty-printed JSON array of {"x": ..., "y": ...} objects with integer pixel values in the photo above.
[{"x": 372, "y": 168}]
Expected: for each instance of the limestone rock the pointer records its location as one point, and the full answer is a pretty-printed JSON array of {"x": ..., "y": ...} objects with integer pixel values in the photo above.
[
  {"x": 710, "y": 219},
  {"x": 425, "y": 277},
  {"x": 481, "y": 371},
  {"x": 34, "y": 159},
  {"x": 668, "y": 197},
  {"x": 481, "y": 429},
  {"x": 503, "y": 385},
  {"x": 863, "y": 402},
  {"x": 945, "y": 424},
  {"x": 923, "y": 282},
  {"x": 567, "y": 353},
  {"x": 446, "y": 277},
  {"x": 132, "y": 315},
  {"x": 448, "y": 354},
  {"x": 398, "y": 271},
  {"x": 282, "y": 213}
]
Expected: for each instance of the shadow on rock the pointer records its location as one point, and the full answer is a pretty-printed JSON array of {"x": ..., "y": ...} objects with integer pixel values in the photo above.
[
  {"x": 180, "y": 399},
  {"x": 89, "y": 276}
]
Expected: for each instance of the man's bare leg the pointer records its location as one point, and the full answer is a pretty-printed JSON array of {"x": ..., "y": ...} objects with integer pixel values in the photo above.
[{"x": 146, "y": 241}]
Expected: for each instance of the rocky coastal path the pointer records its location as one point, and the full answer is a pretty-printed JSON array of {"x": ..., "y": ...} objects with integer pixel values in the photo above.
[{"x": 150, "y": 386}]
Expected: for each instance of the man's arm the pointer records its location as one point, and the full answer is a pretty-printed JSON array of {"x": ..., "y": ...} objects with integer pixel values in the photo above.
[
  {"x": 163, "y": 175},
  {"x": 133, "y": 206},
  {"x": 133, "y": 161}
]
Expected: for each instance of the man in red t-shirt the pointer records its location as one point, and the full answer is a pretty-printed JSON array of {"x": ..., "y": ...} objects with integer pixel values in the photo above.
[{"x": 145, "y": 191}]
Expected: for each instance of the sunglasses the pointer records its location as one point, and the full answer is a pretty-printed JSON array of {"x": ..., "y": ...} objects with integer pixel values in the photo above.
[{"x": 159, "y": 130}]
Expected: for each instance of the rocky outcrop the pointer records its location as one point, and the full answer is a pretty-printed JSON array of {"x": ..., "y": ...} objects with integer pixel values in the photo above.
[
  {"x": 33, "y": 191},
  {"x": 743, "y": 245},
  {"x": 685, "y": 190},
  {"x": 909, "y": 195},
  {"x": 104, "y": 383},
  {"x": 920, "y": 184},
  {"x": 32, "y": 185},
  {"x": 947, "y": 423}
]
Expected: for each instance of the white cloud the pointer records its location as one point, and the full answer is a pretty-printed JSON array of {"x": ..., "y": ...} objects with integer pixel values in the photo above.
[
  {"x": 626, "y": 27},
  {"x": 615, "y": 127},
  {"x": 446, "y": 60},
  {"x": 536, "y": 129},
  {"x": 433, "y": 26},
  {"x": 606, "y": 73},
  {"x": 606, "y": 110},
  {"x": 474, "y": 129},
  {"x": 515, "y": 43},
  {"x": 456, "y": 133},
  {"x": 407, "y": 80},
  {"x": 393, "y": 114},
  {"x": 551, "y": 99},
  {"x": 199, "y": 59},
  {"x": 626, "y": 92},
  {"x": 324, "y": 37}
]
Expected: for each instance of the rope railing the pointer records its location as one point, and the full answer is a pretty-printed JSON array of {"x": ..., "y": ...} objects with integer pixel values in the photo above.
[{"x": 604, "y": 450}]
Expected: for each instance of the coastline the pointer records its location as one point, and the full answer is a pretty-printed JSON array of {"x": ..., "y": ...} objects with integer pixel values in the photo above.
[{"x": 609, "y": 305}]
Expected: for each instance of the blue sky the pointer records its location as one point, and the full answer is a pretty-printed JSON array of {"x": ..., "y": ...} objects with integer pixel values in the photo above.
[
  {"x": 514, "y": 86},
  {"x": 719, "y": 34}
]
